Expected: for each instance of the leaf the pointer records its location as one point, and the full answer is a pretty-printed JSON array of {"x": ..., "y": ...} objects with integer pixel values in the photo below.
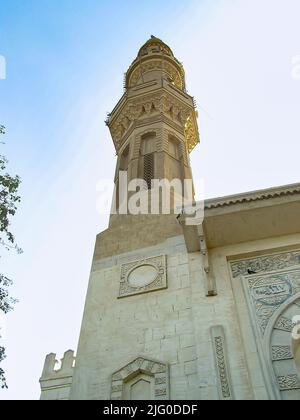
[{"x": 9, "y": 199}]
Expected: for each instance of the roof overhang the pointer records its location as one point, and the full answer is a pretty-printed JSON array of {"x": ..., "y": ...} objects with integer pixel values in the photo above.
[
  {"x": 246, "y": 217},
  {"x": 252, "y": 216}
]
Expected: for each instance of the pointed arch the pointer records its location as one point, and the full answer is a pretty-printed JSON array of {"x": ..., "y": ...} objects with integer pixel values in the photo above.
[
  {"x": 279, "y": 348},
  {"x": 143, "y": 376}
]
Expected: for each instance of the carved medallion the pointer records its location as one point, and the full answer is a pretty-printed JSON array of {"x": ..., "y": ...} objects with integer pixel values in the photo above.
[
  {"x": 142, "y": 276},
  {"x": 272, "y": 290},
  {"x": 268, "y": 291}
]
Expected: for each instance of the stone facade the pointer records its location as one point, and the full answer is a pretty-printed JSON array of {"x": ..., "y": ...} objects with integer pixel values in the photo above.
[{"x": 179, "y": 312}]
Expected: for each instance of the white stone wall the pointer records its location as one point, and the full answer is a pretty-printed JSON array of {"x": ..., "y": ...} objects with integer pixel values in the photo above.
[
  {"x": 158, "y": 325},
  {"x": 173, "y": 326}
]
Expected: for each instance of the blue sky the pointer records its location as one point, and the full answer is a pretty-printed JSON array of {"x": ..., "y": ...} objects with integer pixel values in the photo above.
[{"x": 65, "y": 65}]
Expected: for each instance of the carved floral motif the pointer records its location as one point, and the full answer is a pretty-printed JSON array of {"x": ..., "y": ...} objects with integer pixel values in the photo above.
[
  {"x": 143, "y": 107},
  {"x": 265, "y": 263},
  {"x": 268, "y": 292},
  {"x": 272, "y": 284}
]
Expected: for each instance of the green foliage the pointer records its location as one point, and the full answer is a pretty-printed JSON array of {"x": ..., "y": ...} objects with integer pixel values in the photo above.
[
  {"x": 2, "y": 375},
  {"x": 9, "y": 199}
]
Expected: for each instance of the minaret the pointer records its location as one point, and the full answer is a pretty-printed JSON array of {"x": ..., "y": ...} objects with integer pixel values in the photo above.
[
  {"x": 154, "y": 126},
  {"x": 155, "y": 324},
  {"x": 137, "y": 338},
  {"x": 154, "y": 129}
]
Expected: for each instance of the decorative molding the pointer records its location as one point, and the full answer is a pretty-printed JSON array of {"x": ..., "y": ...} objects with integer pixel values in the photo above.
[
  {"x": 159, "y": 371},
  {"x": 222, "y": 366},
  {"x": 143, "y": 276},
  {"x": 288, "y": 382},
  {"x": 284, "y": 370},
  {"x": 157, "y": 64},
  {"x": 284, "y": 324},
  {"x": 270, "y": 280},
  {"x": 160, "y": 381},
  {"x": 281, "y": 353},
  {"x": 159, "y": 103},
  {"x": 191, "y": 133},
  {"x": 268, "y": 292},
  {"x": 265, "y": 263},
  {"x": 253, "y": 196},
  {"x": 271, "y": 285}
]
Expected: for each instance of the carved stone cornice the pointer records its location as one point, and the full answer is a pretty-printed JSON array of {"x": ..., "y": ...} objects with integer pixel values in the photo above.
[
  {"x": 253, "y": 196},
  {"x": 160, "y": 103},
  {"x": 149, "y": 122},
  {"x": 191, "y": 132}
]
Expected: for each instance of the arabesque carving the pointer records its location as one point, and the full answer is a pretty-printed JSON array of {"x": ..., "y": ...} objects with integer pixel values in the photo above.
[
  {"x": 163, "y": 65},
  {"x": 141, "y": 108}
]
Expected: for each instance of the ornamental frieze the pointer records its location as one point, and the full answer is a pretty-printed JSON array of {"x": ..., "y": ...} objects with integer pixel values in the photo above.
[
  {"x": 143, "y": 68},
  {"x": 269, "y": 291},
  {"x": 270, "y": 280},
  {"x": 266, "y": 263},
  {"x": 143, "y": 107}
]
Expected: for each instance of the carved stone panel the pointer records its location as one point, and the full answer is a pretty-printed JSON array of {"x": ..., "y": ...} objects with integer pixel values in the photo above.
[
  {"x": 157, "y": 65},
  {"x": 222, "y": 366},
  {"x": 267, "y": 292},
  {"x": 155, "y": 105},
  {"x": 288, "y": 382},
  {"x": 283, "y": 361},
  {"x": 284, "y": 324},
  {"x": 142, "y": 276},
  {"x": 281, "y": 353},
  {"x": 271, "y": 286},
  {"x": 265, "y": 263}
]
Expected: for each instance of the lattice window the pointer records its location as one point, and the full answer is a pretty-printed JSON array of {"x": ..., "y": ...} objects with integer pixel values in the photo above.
[{"x": 149, "y": 169}]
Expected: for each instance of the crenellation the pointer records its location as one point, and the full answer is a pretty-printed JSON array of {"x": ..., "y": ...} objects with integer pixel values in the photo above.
[{"x": 56, "y": 383}]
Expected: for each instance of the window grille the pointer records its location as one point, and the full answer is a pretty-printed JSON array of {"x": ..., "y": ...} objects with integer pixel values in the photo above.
[{"x": 149, "y": 169}]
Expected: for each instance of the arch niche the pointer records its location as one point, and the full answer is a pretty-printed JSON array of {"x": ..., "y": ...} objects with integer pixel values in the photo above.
[{"x": 142, "y": 379}]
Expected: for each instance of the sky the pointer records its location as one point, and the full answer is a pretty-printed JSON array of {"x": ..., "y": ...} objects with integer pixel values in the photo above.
[{"x": 65, "y": 63}]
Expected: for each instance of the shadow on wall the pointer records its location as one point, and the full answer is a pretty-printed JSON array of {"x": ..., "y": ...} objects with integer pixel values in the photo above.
[{"x": 296, "y": 351}]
